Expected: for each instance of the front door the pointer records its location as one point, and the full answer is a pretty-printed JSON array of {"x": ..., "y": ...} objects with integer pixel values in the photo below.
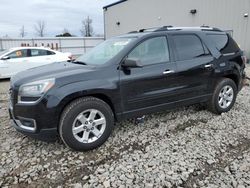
[
  {"x": 152, "y": 86},
  {"x": 18, "y": 61}
]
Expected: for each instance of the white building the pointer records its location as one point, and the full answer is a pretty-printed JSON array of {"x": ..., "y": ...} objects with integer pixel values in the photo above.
[{"x": 129, "y": 15}]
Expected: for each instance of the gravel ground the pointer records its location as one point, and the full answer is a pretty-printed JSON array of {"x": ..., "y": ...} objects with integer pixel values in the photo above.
[
  {"x": 187, "y": 147},
  {"x": 4, "y": 86}
]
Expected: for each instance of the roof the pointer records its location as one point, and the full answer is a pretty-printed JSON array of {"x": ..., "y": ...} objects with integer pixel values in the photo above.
[
  {"x": 30, "y": 47},
  {"x": 113, "y": 4}
]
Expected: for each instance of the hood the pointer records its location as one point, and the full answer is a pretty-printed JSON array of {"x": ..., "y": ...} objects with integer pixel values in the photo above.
[{"x": 59, "y": 71}]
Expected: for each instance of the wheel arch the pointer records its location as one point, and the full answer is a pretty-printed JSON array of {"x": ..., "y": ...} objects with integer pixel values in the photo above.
[
  {"x": 233, "y": 72},
  {"x": 233, "y": 77},
  {"x": 69, "y": 99}
]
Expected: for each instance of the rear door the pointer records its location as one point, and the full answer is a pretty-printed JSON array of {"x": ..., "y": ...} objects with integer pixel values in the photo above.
[
  {"x": 195, "y": 66},
  {"x": 40, "y": 57},
  {"x": 152, "y": 86}
]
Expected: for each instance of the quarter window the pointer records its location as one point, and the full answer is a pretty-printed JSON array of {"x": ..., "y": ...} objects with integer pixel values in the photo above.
[
  {"x": 151, "y": 51},
  {"x": 50, "y": 52},
  {"x": 189, "y": 47},
  {"x": 224, "y": 43}
]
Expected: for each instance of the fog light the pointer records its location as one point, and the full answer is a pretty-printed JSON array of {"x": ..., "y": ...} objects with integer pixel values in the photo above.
[{"x": 26, "y": 123}]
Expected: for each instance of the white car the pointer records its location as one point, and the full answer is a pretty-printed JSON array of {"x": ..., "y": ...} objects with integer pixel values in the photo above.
[{"x": 19, "y": 59}]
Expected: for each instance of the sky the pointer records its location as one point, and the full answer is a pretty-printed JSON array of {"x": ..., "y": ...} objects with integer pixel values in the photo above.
[{"x": 57, "y": 14}]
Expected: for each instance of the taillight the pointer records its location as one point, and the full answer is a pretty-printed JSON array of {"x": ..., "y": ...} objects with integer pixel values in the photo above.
[{"x": 244, "y": 59}]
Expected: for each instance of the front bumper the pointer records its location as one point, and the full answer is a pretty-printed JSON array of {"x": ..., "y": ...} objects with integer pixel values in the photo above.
[
  {"x": 47, "y": 135},
  {"x": 33, "y": 121}
]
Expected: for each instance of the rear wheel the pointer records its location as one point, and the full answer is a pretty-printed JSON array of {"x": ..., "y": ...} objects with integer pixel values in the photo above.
[
  {"x": 224, "y": 96},
  {"x": 86, "y": 123}
]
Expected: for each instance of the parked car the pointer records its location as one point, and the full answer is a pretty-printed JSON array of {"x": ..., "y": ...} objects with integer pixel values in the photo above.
[
  {"x": 19, "y": 59},
  {"x": 125, "y": 77}
]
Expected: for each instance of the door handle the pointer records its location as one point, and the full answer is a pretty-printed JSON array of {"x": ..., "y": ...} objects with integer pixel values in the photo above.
[
  {"x": 169, "y": 72},
  {"x": 208, "y": 65}
]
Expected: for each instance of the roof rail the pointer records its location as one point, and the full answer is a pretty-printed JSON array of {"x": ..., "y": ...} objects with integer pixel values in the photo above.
[
  {"x": 132, "y": 32},
  {"x": 164, "y": 28},
  {"x": 211, "y": 29},
  {"x": 171, "y": 28},
  {"x": 152, "y": 29},
  {"x": 217, "y": 29},
  {"x": 206, "y": 26}
]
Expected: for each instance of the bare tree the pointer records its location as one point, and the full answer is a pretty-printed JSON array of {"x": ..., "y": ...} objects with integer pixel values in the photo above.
[
  {"x": 22, "y": 32},
  {"x": 87, "y": 28},
  {"x": 40, "y": 28}
]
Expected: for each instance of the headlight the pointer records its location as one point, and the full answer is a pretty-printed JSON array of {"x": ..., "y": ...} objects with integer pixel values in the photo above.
[{"x": 31, "y": 92}]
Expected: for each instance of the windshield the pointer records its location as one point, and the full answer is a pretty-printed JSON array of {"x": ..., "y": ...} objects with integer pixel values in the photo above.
[
  {"x": 105, "y": 51},
  {"x": 3, "y": 52}
]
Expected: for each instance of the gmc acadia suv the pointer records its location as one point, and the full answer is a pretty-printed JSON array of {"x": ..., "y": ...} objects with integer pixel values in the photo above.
[{"x": 124, "y": 77}]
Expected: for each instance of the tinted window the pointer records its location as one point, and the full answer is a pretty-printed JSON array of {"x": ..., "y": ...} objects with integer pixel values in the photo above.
[
  {"x": 189, "y": 47},
  {"x": 42, "y": 52},
  {"x": 38, "y": 52},
  {"x": 224, "y": 43},
  {"x": 151, "y": 51},
  {"x": 18, "y": 54},
  {"x": 50, "y": 53}
]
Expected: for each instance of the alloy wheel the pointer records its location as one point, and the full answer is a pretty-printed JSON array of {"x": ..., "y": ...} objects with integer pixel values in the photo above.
[
  {"x": 226, "y": 97},
  {"x": 89, "y": 125}
]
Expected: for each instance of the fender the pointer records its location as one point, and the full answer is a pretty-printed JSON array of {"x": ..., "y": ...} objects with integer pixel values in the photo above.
[
  {"x": 231, "y": 70},
  {"x": 106, "y": 89}
]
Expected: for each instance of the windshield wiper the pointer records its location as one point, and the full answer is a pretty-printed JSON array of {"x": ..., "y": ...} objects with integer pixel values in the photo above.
[{"x": 79, "y": 62}]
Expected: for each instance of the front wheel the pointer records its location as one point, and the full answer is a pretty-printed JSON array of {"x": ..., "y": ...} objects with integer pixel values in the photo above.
[
  {"x": 86, "y": 123},
  {"x": 224, "y": 96}
]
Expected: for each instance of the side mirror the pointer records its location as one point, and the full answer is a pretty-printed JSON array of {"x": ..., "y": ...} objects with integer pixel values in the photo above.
[
  {"x": 132, "y": 63},
  {"x": 5, "y": 58}
]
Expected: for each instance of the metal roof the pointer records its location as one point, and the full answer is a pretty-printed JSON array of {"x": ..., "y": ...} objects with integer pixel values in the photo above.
[{"x": 115, "y": 3}]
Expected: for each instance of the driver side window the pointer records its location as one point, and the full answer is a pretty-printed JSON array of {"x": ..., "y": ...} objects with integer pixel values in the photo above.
[
  {"x": 151, "y": 51},
  {"x": 18, "y": 54}
]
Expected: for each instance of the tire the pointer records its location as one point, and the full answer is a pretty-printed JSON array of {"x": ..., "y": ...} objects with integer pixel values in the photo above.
[
  {"x": 219, "y": 95},
  {"x": 85, "y": 117}
]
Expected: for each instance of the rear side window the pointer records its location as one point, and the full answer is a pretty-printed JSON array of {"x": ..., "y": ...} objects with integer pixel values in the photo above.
[
  {"x": 224, "y": 43},
  {"x": 38, "y": 52},
  {"x": 189, "y": 47}
]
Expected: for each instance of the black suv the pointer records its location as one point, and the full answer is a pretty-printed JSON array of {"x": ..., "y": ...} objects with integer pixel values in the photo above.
[{"x": 127, "y": 76}]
